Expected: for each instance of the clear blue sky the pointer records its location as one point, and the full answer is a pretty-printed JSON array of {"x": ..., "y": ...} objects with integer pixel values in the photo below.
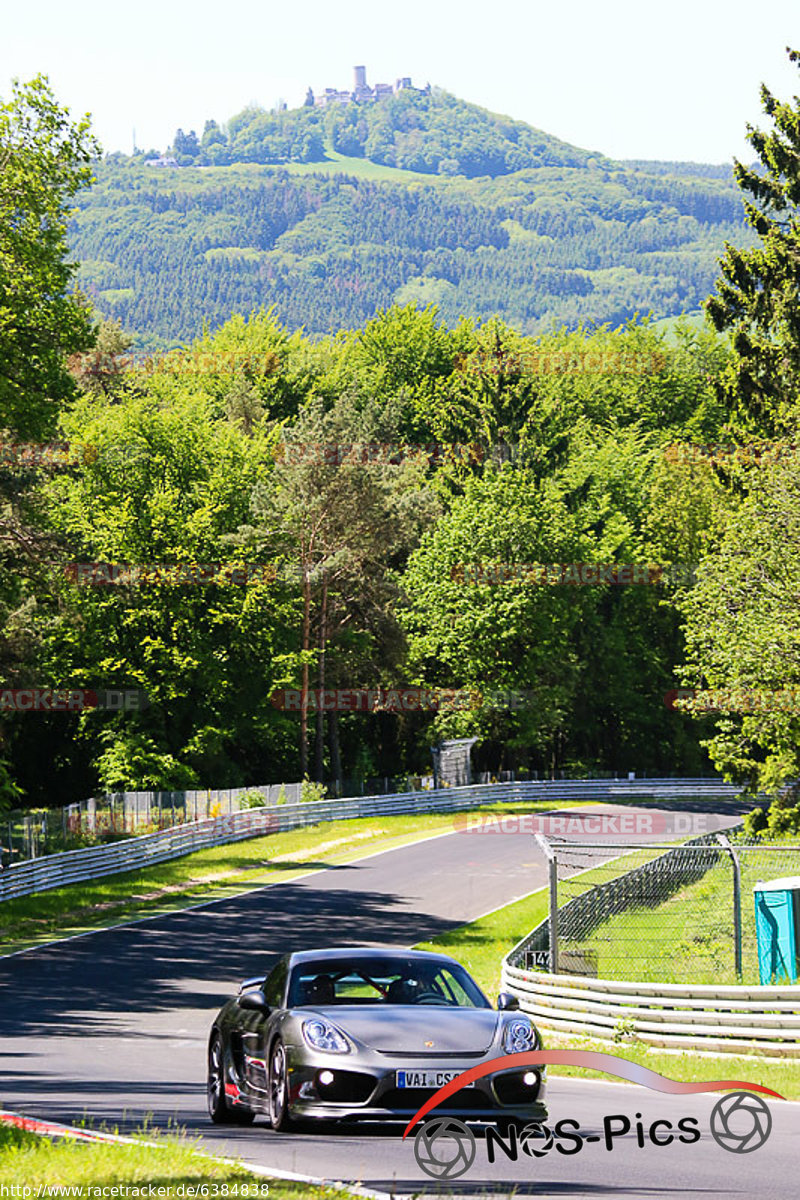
[{"x": 634, "y": 80}]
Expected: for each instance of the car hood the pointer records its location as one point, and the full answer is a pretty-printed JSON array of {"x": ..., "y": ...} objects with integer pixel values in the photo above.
[{"x": 407, "y": 1028}]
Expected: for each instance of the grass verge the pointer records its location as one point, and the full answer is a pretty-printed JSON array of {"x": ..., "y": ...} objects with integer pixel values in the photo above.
[
  {"x": 482, "y": 944},
  {"x": 176, "y": 1168},
  {"x": 216, "y": 873},
  {"x": 781, "y": 1075}
]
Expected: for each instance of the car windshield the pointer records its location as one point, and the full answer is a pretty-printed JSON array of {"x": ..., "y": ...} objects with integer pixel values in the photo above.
[{"x": 383, "y": 981}]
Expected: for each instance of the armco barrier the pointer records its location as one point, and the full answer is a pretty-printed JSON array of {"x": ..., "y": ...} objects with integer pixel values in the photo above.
[
  {"x": 737, "y": 1019},
  {"x": 133, "y": 853}
]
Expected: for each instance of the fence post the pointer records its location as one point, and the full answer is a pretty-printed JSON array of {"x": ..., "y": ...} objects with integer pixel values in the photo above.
[
  {"x": 552, "y": 864},
  {"x": 737, "y": 903}
]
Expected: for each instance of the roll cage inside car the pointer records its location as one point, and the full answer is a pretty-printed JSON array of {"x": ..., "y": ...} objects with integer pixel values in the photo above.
[{"x": 393, "y": 981}]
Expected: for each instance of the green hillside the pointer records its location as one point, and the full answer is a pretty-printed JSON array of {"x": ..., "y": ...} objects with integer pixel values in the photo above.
[
  {"x": 333, "y": 213},
  {"x": 427, "y": 131}
]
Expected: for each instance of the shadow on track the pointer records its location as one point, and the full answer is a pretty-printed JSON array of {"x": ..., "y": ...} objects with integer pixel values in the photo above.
[{"x": 85, "y": 986}]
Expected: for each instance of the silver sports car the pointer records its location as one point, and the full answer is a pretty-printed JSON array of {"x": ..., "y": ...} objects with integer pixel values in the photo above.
[{"x": 367, "y": 1034}]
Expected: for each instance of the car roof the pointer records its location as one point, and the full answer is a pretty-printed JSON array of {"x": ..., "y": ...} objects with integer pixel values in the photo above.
[{"x": 374, "y": 952}]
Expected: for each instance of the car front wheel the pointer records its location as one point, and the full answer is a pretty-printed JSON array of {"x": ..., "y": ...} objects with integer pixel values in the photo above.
[{"x": 279, "y": 1117}]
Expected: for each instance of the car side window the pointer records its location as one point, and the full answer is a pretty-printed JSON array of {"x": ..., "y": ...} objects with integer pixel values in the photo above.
[{"x": 275, "y": 985}]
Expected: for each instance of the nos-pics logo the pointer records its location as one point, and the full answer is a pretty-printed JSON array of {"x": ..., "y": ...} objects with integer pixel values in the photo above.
[{"x": 445, "y": 1148}]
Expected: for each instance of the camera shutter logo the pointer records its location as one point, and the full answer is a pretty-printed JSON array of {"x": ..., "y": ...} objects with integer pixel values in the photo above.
[
  {"x": 741, "y": 1122},
  {"x": 536, "y": 1139},
  {"x": 444, "y": 1148}
]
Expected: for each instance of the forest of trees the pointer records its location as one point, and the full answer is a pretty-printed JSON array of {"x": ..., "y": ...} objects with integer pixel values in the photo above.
[
  {"x": 162, "y": 251},
  {"x": 472, "y": 442},
  {"x": 192, "y": 462}
]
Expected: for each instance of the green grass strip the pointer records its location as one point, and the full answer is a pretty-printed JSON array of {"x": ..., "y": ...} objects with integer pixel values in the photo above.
[{"x": 177, "y": 1168}]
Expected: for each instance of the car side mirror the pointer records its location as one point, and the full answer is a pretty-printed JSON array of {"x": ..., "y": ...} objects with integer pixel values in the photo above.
[
  {"x": 254, "y": 1001},
  {"x": 506, "y": 1002}
]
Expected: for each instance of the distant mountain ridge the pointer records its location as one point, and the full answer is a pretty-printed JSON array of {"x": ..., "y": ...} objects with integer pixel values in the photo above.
[{"x": 331, "y": 212}]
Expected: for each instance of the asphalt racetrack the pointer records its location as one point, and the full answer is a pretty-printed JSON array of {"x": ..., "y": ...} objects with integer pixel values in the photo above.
[{"x": 114, "y": 1025}]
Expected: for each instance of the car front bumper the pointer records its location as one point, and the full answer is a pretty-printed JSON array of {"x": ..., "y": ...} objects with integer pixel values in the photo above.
[{"x": 367, "y": 1090}]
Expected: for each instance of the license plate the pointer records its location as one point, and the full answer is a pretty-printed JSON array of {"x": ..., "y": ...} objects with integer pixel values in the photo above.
[{"x": 425, "y": 1079}]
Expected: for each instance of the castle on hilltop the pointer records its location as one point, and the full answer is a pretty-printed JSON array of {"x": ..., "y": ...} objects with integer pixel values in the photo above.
[{"x": 362, "y": 93}]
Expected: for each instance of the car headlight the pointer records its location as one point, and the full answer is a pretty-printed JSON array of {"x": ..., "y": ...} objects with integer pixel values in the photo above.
[
  {"x": 519, "y": 1035},
  {"x": 319, "y": 1035}
]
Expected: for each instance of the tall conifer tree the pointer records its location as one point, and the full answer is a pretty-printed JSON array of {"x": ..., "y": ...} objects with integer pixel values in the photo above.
[{"x": 758, "y": 294}]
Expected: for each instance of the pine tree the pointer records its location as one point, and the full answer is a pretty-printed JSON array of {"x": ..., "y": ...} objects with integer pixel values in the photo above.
[{"x": 758, "y": 294}]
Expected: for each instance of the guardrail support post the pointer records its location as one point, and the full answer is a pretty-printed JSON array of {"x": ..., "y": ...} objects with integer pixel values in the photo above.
[
  {"x": 553, "y": 916},
  {"x": 737, "y": 903},
  {"x": 552, "y": 865}
]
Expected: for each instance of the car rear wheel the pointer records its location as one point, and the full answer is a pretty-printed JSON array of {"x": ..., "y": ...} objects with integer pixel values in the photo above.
[
  {"x": 221, "y": 1111},
  {"x": 279, "y": 1117}
]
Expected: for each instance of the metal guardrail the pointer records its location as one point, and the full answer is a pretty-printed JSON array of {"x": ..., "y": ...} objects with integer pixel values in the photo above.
[
  {"x": 73, "y": 866},
  {"x": 36, "y": 832},
  {"x": 756, "y": 1020}
]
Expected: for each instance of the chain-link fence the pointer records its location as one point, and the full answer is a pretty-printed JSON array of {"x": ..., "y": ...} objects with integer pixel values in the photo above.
[
  {"x": 34, "y": 833},
  {"x": 647, "y": 913},
  {"x": 41, "y": 831}
]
